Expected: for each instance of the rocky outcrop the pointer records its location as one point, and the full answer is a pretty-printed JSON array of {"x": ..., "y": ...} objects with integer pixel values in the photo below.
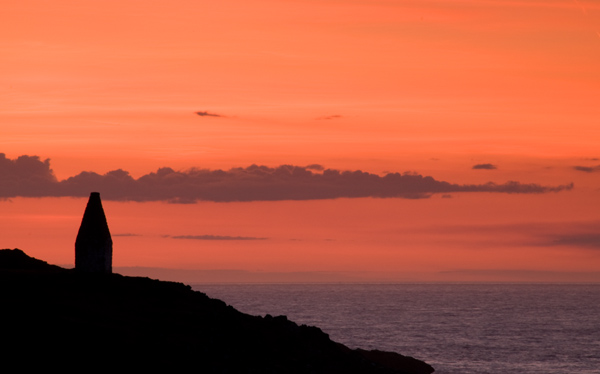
[{"x": 61, "y": 318}]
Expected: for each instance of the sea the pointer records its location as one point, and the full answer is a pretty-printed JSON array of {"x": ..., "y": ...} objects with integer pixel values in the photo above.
[{"x": 456, "y": 328}]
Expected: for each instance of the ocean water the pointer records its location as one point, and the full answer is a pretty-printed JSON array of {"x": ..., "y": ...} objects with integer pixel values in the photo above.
[{"x": 456, "y": 328}]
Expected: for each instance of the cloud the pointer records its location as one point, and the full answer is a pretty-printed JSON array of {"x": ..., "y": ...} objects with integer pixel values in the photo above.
[
  {"x": 316, "y": 167},
  {"x": 215, "y": 237},
  {"x": 26, "y": 176},
  {"x": 208, "y": 114},
  {"x": 584, "y": 240},
  {"x": 485, "y": 167},
  {"x": 520, "y": 275},
  {"x": 335, "y": 116},
  {"x": 575, "y": 234},
  {"x": 199, "y": 237},
  {"x": 30, "y": 177},
  {"x": 588, "y": 169}
]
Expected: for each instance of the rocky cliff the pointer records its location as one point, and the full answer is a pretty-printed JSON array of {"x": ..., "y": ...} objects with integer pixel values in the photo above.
[{"x": 54, "y": 317}]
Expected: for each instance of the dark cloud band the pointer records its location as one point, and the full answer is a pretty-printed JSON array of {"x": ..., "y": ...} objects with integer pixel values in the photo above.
[{"x": 28, "y": 176}]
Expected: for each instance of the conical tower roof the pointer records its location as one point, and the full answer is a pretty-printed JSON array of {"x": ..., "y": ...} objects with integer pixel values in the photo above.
[{"x": 93, "y": 246}]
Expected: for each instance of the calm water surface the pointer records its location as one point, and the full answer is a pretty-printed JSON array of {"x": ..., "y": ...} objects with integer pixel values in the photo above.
[{"x": 457, "y": 328}]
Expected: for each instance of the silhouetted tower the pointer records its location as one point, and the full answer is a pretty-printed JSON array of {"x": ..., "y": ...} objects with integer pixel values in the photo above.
[{"x": 93, "y": 246}]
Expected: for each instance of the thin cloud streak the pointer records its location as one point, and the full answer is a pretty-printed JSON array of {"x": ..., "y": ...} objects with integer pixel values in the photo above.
[
  {"x": 521, "y": 275},
  {"x": 485, "y": 167},
  {"x": 316, "y": 167},
  {"x": 583, "y": 240},
  {"x": 574, "y": 234},
  {"x": 335, "y": 116},
  {"x": 214, "y": 237},
  {"x": 588, "y": 169},
  {"x": 208, "y": 114},
  {"x": 28, "y": 176}
]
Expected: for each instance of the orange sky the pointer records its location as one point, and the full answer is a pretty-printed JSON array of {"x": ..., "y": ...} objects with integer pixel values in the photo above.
[{"x": 432, "y": 87}]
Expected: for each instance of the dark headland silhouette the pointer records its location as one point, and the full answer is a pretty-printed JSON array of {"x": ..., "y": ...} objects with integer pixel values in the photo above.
[{"x": 88, "y": 318}]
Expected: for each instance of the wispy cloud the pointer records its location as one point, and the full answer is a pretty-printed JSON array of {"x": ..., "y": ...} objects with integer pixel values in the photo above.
[
  {"x": 209, "y": 114},
  {"x": 28, "y": 176},
  {"x": 335, "y": 116},
  {"x": 485, "y": 167},
  {"x": 215, "y": 237},
  {"x": 588, "y": 169},
  {"x": 316, "y": 167},
  {"x": 585, "y": 240},
  {"x": 574, "y": 234},
  {"x": 520, "y": 275}
]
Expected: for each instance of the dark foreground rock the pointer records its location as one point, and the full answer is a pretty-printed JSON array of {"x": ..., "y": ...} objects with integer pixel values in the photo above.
[{"x": 57, "y": 318}]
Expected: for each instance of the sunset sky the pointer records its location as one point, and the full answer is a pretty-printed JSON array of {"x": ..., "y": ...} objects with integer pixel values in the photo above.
[{"x": 307, "y": 140}]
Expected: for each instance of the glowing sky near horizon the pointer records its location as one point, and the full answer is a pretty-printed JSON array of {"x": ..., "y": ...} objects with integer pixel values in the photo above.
[{"x": 430, "y": 87}]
